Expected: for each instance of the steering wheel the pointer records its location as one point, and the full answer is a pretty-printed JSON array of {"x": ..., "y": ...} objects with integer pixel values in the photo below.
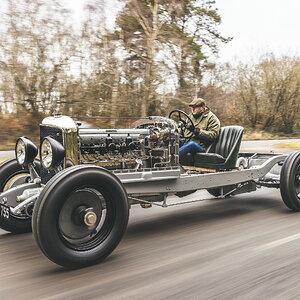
[{"x": 183, "y": 123}]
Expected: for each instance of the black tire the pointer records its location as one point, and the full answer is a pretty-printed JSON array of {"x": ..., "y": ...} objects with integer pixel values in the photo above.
[
  {"x": 9, "y": 170},
  {"x": 290, "y": 181},
  {"x": 217, "y": 191},
  {"x": 59, "y": 233}
]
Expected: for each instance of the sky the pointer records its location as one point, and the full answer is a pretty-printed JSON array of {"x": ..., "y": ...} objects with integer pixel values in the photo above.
[
  {"x": 258, "y": 27},
  {"x": 111, "y": 8}
]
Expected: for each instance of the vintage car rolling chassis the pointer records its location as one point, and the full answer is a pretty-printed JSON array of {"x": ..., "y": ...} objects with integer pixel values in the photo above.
[{"x": 76, "y": 197}]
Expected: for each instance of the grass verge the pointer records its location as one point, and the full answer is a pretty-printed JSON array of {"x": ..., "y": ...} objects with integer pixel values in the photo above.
[
  {"x": 289, "y": 145},
  {"x": 3, "y": 159}
]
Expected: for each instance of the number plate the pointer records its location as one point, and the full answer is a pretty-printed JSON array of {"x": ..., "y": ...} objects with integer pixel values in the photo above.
[{"x": 4, "y": 211}]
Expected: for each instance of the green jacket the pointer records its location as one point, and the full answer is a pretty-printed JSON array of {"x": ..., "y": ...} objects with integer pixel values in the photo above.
[{"x": 209, "y": 126}]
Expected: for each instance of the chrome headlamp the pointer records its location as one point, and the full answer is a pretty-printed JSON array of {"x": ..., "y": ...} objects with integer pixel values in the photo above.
[
  {"x": 25, "y": 151},
  {"x": 52, "y": 153}
]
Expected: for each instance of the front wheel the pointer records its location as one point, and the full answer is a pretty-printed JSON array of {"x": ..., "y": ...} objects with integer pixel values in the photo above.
[
  {"x": 290, "y": 181},
  {"x": 80, "y": 216}
]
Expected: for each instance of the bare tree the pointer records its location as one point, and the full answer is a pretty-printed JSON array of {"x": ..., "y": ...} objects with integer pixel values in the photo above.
[
  {"x": 35, "y": 49},
  {"x": 266, "y": 95},
  {"x": 152, "y": 29}
]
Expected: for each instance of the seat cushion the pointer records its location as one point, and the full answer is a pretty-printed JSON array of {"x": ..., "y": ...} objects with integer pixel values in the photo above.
[
  {"x": 208, "y": 158},
  {"x": 187, "y": 160}
]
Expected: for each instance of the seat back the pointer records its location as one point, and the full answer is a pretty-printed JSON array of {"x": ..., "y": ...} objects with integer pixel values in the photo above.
[{"x": 228, "y": 144}]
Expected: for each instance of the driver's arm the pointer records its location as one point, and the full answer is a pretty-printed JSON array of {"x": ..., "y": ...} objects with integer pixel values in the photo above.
[{"x": 212, "y": 131}]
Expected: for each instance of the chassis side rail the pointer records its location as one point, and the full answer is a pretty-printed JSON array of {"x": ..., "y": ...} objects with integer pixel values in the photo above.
[{"x": 184, "y": 182}]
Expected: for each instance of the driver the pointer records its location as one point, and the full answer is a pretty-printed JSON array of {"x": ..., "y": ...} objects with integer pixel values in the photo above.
[{"x": 206, "y": 130}]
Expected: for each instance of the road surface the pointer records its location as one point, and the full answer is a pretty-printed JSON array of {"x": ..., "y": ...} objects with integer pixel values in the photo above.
[
  {"x": 266, "y": 146},
  {"x": 242, "y": 247}
]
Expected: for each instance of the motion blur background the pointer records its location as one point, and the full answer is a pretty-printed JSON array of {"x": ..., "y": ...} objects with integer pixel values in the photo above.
[{"x": 141, "y": 57}]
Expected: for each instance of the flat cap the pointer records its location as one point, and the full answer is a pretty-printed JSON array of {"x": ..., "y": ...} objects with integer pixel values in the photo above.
[{"x": 197, "y": 102}]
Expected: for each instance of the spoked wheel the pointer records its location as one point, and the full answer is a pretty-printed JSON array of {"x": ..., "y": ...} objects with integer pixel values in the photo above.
[
  {"x": 81, "y": 216},
  {"x": 183, "y": 121},
  {"x": 290, "y": 181},
  {"x": 11, "y": 175}
]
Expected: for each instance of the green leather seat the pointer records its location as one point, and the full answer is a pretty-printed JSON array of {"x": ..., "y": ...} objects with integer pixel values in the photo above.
[{"x": 221, "y": 154}]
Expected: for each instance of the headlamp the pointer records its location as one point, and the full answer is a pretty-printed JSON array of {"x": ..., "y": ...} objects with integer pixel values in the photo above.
[
  {"x": 25, "y": 151},
  {"x": 52, "y": 153}
]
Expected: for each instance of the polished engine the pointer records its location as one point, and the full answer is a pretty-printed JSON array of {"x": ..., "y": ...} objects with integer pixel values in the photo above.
[{"x": 152, "y": 143}]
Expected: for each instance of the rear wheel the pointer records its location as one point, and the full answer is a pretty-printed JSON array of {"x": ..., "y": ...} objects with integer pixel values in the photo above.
[
  {"x": 81, "y": 216},
  {"x": 11, "y": 175},
  {"x": 290, "y": 181}
]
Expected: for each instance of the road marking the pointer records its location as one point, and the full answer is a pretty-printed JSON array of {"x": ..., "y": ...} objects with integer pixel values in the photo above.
[{"x": 279, "y": 242}]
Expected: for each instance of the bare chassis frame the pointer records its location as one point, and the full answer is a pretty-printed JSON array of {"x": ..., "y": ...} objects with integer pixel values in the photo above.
[
  {"x": 172, "y": 180},
  {"x": 163, "y": 181}
]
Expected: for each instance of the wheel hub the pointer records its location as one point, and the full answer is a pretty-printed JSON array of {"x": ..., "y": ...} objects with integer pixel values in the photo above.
[
  {"x": 90, "y": 218},
  {"x": 81, "y": 214}
]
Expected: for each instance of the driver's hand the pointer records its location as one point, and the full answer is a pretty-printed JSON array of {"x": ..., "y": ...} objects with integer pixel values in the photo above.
[
  {"x": 190, "y": 128},
  {"x": 193, "y": 129},
  {"x": 196, "y": 131}
]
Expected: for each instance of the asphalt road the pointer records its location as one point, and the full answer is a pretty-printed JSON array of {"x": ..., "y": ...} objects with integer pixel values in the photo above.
[
  {"x": 266, "y": 146},
  {"x": 242, "y": 247}
]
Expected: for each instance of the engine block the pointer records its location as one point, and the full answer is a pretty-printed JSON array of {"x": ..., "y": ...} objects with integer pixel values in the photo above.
[{"x": 154, "y": 144}]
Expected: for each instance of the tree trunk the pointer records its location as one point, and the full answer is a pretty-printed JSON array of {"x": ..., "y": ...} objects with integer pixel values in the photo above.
[{"x": 114, "y": 99}]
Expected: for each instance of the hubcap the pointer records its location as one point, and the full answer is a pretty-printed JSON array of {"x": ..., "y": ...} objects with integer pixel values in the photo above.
[
  {"x": 81, "y": 214},
  {"x": 90, "y": 218}
]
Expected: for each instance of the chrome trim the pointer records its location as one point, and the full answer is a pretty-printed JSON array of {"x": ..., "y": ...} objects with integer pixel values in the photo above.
[
  {"x": 69, "y": 135},
  {"x": 70, "y": 140},
  {"x": 63, "y": 122}
]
